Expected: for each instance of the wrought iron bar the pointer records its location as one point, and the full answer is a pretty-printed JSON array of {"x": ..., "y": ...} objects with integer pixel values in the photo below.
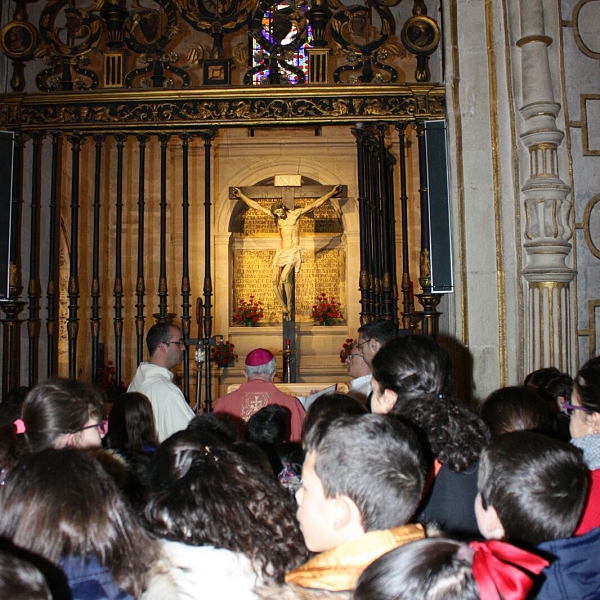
[
  {"x": 11, "y": 324},
  {"x": 118, "y": 287},
  {"x": 185, "y": 276},
  {"x": 53, "y": 245},
  {"x": 76, "y": 141},
  {"x": 359, "y": 133},
  {"x": 387, "y": 241},
  {"x": 140, "y": 286},
  {"x": 374, "y": 226},
  {"x": 207, "y": 317},
  {"x": 163, "y": 292},
  {"x": 34, "y": 292},
  {"x": 407, "y": 299},
  {"x": 95, "y": 292},
  {"x": 390, "y": 224}
]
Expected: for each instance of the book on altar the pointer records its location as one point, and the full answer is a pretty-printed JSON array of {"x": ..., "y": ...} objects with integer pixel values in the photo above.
[{"x": 306, "y": 401}]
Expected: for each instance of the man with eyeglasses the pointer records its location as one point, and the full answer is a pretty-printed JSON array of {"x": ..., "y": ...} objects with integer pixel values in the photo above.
[
  {"x": 359, "y": 370},
  {"x": 155, "y": 380},
  {"x": 373, "y": 335}
]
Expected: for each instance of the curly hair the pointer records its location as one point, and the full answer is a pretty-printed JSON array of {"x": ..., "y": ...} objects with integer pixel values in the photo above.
[
  {"x": 215, "y": 498},
  {"x": 456, "y": 435}
]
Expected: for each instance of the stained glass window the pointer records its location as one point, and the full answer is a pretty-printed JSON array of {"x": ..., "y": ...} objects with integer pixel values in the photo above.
[{"x": 300, "y": 56}]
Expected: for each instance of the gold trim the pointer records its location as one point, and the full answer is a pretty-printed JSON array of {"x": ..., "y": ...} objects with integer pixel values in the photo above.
[
  {"x": 549, "y": 285},
  {"x": 574, "y": 23},
  {"x": 585, "y": 140},
  {"x": 183, "y": 109},
  {"x": 590, "y": 330},
  {"x": 517, "y": 194},
  {"x": 460, "y": 178},
  {"x": 534, "y": 38},
  {"x": 585, "y": 225},
  {"x": 496, "y": 170}
]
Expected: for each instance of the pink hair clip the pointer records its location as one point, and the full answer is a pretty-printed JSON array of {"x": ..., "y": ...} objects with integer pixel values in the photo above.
[{"x": 20, "y": 426}]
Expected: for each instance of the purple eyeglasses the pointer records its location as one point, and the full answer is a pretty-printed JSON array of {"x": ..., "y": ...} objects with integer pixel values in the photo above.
[{"x": 568, "y": 409}]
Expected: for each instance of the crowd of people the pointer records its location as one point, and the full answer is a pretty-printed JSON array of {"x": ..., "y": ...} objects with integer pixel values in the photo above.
[{"x": 397, "y": 490}]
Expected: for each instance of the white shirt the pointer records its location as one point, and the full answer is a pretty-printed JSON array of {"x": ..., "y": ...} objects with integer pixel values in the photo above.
[
  {"x": 171, "y": 411},
  {"x": 209, "y": 573},
  {"x": 361, "y": 388}
]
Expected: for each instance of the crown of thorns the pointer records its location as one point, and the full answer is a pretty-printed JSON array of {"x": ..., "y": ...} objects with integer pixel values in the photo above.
[{"x": 277, "y": 205}]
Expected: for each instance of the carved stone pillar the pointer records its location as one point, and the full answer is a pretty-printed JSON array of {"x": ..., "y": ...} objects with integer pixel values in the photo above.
[{"x": 546, "y": 202}]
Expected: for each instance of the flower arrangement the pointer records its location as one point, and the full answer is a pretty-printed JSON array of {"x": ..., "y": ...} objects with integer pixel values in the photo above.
[
  {"x": 347, "y": 348},
  {"x": 327, "y": 311},
  {"x": 107, "y": 382},
  {"x": 248, "y": 313},
  {"x": 223, "y": 355}
]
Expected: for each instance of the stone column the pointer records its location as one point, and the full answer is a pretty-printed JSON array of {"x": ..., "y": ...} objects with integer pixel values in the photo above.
[{"x": 547, "y": 206}]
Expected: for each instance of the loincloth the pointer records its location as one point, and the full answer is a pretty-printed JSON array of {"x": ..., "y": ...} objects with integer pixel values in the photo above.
[{"x": 290, "y": 256}]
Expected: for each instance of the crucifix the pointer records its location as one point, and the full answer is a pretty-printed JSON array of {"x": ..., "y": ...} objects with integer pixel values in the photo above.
[{"x": 289, "y": 255}]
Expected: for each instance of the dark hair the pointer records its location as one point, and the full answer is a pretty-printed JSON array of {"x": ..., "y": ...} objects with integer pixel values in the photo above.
[
  {"x": 131, "y": 423},
  {"x": 379, "y": 330},
  {"x": 216, "y": 425},
  {"x": 555, "y": 387},
  {"x": 254, "y": 455},
  {"x": 61, "y": 503},
  {"x": 536, "y": 484},
  {"x": 10, "y": 409},
  {"x": 537, "y": 378},
  {"x": 331, "y": 406},
  {"x": 375, "y": 460},
  {"x": 269, "y": 425},
  {"x": 216, "y": 498},
  {"x": 51, "y": 409},
  {"x": 158, "y": 334},
  {"x": 276, "y": 206},
  {"x": 429, "y": 569},
  {"x": 587, "y": 384},
  {"x": 414, "y": 366},
  {"x": 20, "y": 579},
  {"x": 517, "y": 408},
  {"x": 456, "y": 435}
]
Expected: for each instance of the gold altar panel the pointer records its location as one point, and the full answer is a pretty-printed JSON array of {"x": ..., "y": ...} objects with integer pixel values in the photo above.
[{"x": 322, "y": 271}]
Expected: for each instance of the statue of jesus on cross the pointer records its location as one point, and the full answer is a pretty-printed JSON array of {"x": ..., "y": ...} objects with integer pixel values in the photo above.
[{"x": 289, "y": 254}]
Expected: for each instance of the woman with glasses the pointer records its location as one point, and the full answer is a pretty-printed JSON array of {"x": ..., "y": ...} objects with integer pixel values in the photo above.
[
  {"x": 58, "y": 413},
  {"x": 584, "y": 413}
]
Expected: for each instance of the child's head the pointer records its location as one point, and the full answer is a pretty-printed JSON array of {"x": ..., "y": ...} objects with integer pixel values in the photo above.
[
  {"x": 516, "y": 408},
  {"x": 444, "y": 569},
  {"x": 268, "y": 426},
  {"x": 214, "y": 497},
  {"x": 333, "y": 406},
  {"x": 131, "y": 423},
  {"x": 410, "y": 367},
  {"x": 532, "y": 488},
  {"x": 361, "y": 473}
]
